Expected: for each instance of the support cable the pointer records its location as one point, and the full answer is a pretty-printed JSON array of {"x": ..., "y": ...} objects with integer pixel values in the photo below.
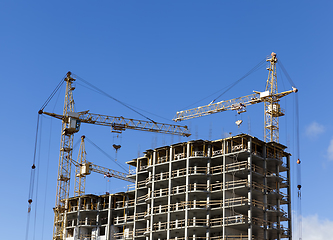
[
  {"x": 247, "y": 74},
  {"x": 27, "y": 227},
  {"x": 298, "y": 170},
  {"x": 231, "y": 85},
  {"x": 32, "y": 179},
  {"x": 46, "y": 180},
  {"x": 47, "y": 166},
  {"x": 91, "y": 89},
  {"x": 76, "y": 144},
  {"x": 53, "y": 93},
  {"x": 106, "y": 154},
  {"x": 109, "y": 96},
  {"x": 33, "y": 167},
  {"x": 37, "y": 179},
  {"x": 286, "y": 73},
  {"x": 281, "y": 77}
]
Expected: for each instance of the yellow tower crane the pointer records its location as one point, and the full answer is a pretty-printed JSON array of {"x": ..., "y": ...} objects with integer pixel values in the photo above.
[
  {"x": 84, "y": 168},
  {"x": 71, "y": 121},
  {"x": 270, "y": 97}
]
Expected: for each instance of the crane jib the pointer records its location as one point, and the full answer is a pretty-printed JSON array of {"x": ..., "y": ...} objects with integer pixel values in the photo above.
[{"x": 118, "y": 124}]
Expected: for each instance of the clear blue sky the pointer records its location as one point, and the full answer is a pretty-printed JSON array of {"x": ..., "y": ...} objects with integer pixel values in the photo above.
[{"x": 160, "y": 57}]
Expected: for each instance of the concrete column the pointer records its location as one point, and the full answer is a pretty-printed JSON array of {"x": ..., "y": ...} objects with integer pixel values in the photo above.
[
  {"x": 148, "y": 225},
  {"x": 169, "y": 191},
  {"x": 223, "y": 187},
  {"x": 77, "y": 228},
  {"x": 98, "y": 221},
  {"x": 278, "y": 201},
  {"x": 109, "y": 222},
  {"x": 152, "y": 195},
  {"x": 135, "y": 198},
  {"x": 289, "y": 198},
  {"x": 209, "y": 155},
  {"x": 265, "y": 192},
  {"x": 249, "y": 178},
  {"x": 65, "y": 219},
  {"x": 207, "y": 223},
  {"x": 187, "y": 188}
]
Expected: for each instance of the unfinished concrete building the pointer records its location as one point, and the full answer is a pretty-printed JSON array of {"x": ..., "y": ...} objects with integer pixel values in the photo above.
[
  {"x": 99, "y": 217},
  {"x": 232, "y": 188}
]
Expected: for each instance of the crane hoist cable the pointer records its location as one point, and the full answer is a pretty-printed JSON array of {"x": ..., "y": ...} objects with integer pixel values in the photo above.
[
  {"x": 46, "y": 180},
  {"x": 30, "y": 193},
  {"x": 32, "y": 179},
  {"x": 33, "y": 185},
  {"x": 108, "y": 184},
  {"x": 298, "y": 162},
  {"x": 33, "y": 167},
  {"x": 116, "y": 144},
  {"x": 298, "y": 171}
]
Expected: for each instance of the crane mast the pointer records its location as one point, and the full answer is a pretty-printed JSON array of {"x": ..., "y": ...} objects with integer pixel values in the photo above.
[
  {"x": 271, "y": 104},
  {"x": 64, "y": 169},
  {"x": 80, "y": 177},
  {"x": 84, "y": 168}
]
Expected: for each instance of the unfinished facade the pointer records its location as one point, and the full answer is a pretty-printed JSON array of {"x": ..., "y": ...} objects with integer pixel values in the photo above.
[
  {"x": 232, "y": 188},
  {"x": 99, "y": 217}
]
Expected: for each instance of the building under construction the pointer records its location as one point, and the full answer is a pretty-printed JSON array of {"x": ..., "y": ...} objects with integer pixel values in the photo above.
[{"x": 232, "y": 188}]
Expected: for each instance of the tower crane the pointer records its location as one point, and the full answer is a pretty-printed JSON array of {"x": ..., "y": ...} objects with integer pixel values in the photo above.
[
  {"x": 84, "y": 168},
  {"x": 270, "y": 97},
  {"x": 71, "y": 122}
]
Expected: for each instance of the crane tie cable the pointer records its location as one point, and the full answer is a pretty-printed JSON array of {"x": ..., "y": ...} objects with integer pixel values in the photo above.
[
  {"x": 232, "y": 85},
  {"x": 247, "y": 74},
  {"x": 52, "y": 94},
  {"x": 32, "y": 178},
  {"x": 97, "y": 90},
  {"x": 109, "y": 96},
  {"x": 168, "y": 119},
  {"x": 105, "y": 153},
  {"x": 286, "y": 73}
]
